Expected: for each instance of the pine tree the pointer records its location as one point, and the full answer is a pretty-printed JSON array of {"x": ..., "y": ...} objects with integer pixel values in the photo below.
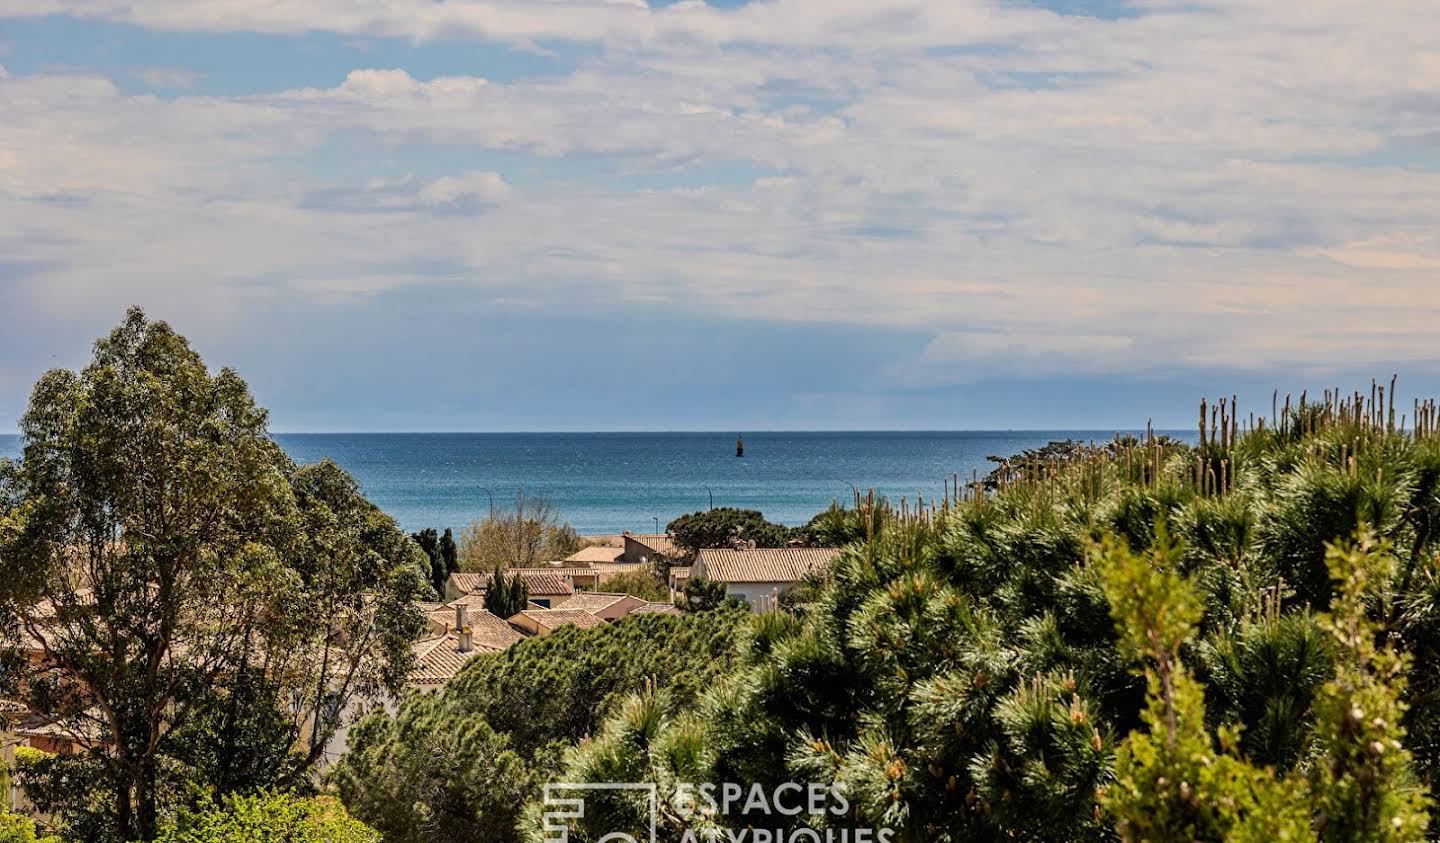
[
  {"x": 1171, "y": 781},
  {"x": 1364, "y": 787}
]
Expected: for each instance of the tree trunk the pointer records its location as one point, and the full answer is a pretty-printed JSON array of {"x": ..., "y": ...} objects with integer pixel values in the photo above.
[
  {"x": 124, "y": 816},
  {"x": 146, "y": 809}
]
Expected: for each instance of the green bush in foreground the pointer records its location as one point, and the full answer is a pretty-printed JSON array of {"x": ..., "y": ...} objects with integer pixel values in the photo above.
[
  {"x": 269, "y": 818},
  {"x": 1171, "y": 781},
  {"x": 1145, "y": 640},
  {"x": 17, "y": 829}
]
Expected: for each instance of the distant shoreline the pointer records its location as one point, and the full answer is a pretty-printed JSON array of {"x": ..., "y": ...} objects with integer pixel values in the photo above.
[{"x": 606, "y": 483}]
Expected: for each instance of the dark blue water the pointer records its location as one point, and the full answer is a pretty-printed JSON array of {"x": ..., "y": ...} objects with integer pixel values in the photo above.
[{"x": 608, "y": 482}]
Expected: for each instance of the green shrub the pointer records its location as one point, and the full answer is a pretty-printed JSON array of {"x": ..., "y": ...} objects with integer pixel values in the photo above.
[
  {"x": 15, "y": 828},
  {"x": 269, "y": 818}
]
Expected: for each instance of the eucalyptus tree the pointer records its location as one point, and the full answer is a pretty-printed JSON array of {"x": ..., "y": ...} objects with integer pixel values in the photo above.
[{"x": 159, "y": 551}]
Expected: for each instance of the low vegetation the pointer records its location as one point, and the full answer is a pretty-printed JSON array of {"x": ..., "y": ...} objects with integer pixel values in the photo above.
[
  {"x": 1141, "y": 640},
  {"x": 643, "y": 584},
  {"x": 1145, "y": 640},
  {"x": 268, "y": 817}
]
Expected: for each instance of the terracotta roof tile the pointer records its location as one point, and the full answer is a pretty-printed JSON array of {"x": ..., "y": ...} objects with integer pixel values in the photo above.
[
  {"x": 656, "y": 609},
  {"x": 565, "y": 570},
  {"x": 779, "y": 564},
  {"x": 491, "y": 632},
  {"x": 440, "y": 658},
  {"x": 588, "y": 555},
  {"x": 542, "y": 582},
  {"x": 618, "y": 567},
  {"x": 658, "y": 542},
  {"x": 591, "y": 601},
  {"x": 555, "y": 618}
]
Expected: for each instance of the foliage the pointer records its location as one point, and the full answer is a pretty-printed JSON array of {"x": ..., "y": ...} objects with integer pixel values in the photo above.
[
  {"x": 1264, "y": 674},
  {"x": 1364, "y": 788},
  {"x": 640, "y": 584},
  {"x": 429, "y": 542},
  {"x": 15, "y": 828},
  {"x": 268, "y": 817},
  {"x": 442, "y": 553},
  {"x": 26, "y": 756},
  {"x": 432, "y": 774},
  {"x": 505, "y": 719},
  {"x": 839, "y": 526},
  {"x": 702, "y": 595},
  {"x": 1032, "y": 462},
  {"x": 524, "y": 535},
  {"x": 1171, "y": 783},
  {"x": 506, "y": 596},
  {"x": 160, "y": 548},
  {"x": 449, "y": 555},
  {"x": 1136, "y": 637},
  {"x": 724, "y": 527},
  {"x": 646, "y": 739}
]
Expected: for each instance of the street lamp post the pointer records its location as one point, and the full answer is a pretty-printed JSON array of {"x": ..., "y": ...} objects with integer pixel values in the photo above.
[
  {"x": 491, "y": 497},
  {"x": 710, "y": 493}
]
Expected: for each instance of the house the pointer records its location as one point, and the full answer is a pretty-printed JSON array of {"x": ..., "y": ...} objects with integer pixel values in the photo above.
[
  {"x": 458, "y": 632},
  {"x": 440, "y": 658},
  {"x": 546, "y": 621},
  {"x": 604, "y": 605},
  {"x": 642, "y": 548},
  {"x": 580, "y": 576},
  {"x": 760, "y": 575},
  {"x": 591, "y": 555},
  {"x": 679, "y": 575},
  {"x": 438, "y": 615},
  {"x": 656, "y": 609},
  {"x": 546, "y": 586},
  {"x": 59, "y": 736},
  {"x": 606, "y": 571}
]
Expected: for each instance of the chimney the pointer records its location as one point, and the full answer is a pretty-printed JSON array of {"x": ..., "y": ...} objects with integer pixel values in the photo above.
[
  {"x": 462, "y": 617},
  {"x": 467, "y": 641}
]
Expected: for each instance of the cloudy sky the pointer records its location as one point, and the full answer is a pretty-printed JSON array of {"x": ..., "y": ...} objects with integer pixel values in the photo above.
[{"x": 603, "y": 214}]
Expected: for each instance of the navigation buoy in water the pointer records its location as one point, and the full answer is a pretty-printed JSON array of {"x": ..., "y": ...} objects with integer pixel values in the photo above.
[{"x": 740, "y": 446}]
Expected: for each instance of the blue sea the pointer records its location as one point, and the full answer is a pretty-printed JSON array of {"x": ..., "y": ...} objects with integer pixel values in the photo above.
[{"x": 609, "y": 482}]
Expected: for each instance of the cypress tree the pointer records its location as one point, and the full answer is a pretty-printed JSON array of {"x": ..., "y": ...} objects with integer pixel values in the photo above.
[
  {"x": 429, "y": 542},
  {"x": 506, "y": 596},
  {"x": 449, "y": 552}
]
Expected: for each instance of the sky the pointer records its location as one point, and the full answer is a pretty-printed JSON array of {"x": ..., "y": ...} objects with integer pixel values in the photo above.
[{"x": 779, "y": 214}]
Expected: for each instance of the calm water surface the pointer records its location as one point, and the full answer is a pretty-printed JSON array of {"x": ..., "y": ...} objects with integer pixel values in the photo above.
[{"x": 608, "y": 482}]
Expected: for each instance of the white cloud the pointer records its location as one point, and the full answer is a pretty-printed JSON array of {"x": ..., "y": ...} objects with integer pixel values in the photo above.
[
  {"x": 1054, "y": 193},
  {"x": 854, "y": 23},
  {"x": 473, "y": 186}
]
